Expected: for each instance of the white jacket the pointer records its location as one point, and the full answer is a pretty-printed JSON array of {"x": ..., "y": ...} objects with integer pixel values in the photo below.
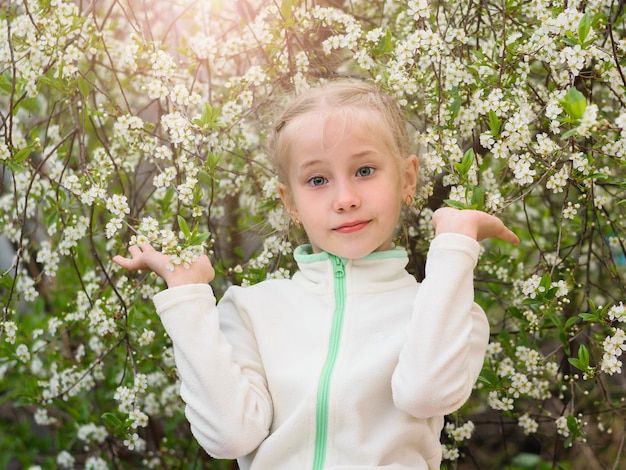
[{"x": 349, "y": 365}]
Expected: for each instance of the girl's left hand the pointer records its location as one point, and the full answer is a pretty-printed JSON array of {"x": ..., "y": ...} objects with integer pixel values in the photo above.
[{"x": 476, "y": 224}]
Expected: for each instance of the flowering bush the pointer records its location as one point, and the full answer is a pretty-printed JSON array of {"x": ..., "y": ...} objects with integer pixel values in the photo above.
[{"x": 146, "y": 121}]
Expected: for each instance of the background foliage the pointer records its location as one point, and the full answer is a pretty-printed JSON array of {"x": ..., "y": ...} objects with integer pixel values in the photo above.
[{"x": 125, "y": 120}]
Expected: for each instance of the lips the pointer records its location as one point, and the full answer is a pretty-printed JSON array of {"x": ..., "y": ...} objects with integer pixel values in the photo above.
[{"x": 351, "y": 227}]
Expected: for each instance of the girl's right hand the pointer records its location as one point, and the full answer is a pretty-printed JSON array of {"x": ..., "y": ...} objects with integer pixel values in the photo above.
[{"x": 146, "y": 257}]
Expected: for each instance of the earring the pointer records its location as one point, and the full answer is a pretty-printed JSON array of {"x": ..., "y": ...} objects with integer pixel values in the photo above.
[
  {"x": 408, "y": 200},
  {"x": 297, "y": 223}
]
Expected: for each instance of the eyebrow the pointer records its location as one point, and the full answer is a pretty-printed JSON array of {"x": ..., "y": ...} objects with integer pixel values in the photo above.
[{"x": 356, "y": 156}]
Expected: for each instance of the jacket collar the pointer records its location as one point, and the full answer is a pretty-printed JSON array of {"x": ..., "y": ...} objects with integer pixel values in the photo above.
[{"x": 378, "y": 271}]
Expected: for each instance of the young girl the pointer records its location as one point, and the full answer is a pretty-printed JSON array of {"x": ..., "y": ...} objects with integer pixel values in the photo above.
[{"x": 351, "y": 364}]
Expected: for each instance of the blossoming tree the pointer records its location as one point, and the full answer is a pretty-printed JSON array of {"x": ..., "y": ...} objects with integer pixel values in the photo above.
[{"x": 127, "y": 122}]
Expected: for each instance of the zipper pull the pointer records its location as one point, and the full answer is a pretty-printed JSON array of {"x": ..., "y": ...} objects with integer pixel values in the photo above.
[{"x": 338, "y": 267}]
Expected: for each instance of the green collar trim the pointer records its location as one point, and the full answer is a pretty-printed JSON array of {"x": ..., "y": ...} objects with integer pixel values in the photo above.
[{"x": 304, "y": 254}]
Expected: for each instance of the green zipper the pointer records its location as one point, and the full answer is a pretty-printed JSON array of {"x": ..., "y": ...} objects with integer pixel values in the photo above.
[{"x": 323, "y": 388}]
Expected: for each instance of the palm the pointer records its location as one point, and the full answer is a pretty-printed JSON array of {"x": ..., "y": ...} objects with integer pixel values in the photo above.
[{"x": 146, "y": 257}]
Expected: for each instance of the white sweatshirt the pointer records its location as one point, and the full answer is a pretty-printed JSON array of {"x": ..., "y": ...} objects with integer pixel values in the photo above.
[{"x": 349, "y": 365}]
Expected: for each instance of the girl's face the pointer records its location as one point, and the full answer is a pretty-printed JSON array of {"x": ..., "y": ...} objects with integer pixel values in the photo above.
[{"x": 344, "y": 186}]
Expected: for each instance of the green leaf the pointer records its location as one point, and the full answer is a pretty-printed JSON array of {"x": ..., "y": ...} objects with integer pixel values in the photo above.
[
  {"x": 582, "y": 361},
  {"x": 286, "y": 8},
  {"x": 455, "y": 204},
  {"x": 455, "y": 107},
  {"x": 568, "y": 134},
  {"x": 583, "y": 357},
  {"x": 546, "y": 281},
  {"x": 112, "y": 422},
  {"x": 22, "y": 155},
  {"x": 478, "y": 197},
  {"x": 576, "y": 363},
  {"x": 84, "y": 87},
  {"x": 574, "y": 103},
  {"x": 526, "y": 460},
  {"x": 570, "y": 322},
  {"x": 584, "y": 26},
  {"x": 184, "y": 227},
  {"x": 6, "y": 82},
  {"x": 583, "y": 354},
  {"x": 208, "y": 118},
  {"x": 386, "y": 43},
  {"x": 589, "y": 317},
  {"x": 6, "y": 281},
  {"x": 199, "y": 238},
  {"x": 572, "y": 424},
  {"x": 464, "y": 166},
  {"x": 494, "y": 123},
  {"x": 488, "y": 376}
]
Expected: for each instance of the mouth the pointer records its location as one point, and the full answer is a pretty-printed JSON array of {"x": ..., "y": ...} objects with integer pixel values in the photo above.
[{"x": 351, "y": 227}]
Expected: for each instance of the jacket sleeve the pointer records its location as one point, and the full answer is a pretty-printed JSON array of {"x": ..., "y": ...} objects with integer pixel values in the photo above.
[
  {"x": 227, "y": 402},
  {"x": 447, "y": 337}
]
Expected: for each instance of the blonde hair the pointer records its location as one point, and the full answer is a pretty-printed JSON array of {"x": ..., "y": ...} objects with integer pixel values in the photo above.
[{"x": 362, "y": 100}]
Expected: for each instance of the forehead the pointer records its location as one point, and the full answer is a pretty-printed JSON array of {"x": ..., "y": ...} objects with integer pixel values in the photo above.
[{"x": 327, "y": 127}]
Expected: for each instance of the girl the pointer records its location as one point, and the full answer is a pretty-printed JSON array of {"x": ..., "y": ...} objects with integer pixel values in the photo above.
[{"x": 351, "y": 363}]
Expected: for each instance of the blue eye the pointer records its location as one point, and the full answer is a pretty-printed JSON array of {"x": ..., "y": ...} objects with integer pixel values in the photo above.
[
  {"x": 317, "y": 181},
  {"x": 365, "y": 171}
]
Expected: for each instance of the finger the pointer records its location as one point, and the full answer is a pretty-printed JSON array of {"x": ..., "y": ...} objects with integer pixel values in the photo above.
[
  {"x": 133, "y": 263},
  {"x": 510, "y": 236},
  {"x": 125, "y": 263},
  {"x": 146, "y": 247}
]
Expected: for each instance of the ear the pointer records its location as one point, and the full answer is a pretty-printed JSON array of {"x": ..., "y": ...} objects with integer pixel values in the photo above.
[
  {"x": 287, "y": 200},
  {"x": 411, "y": 169}
]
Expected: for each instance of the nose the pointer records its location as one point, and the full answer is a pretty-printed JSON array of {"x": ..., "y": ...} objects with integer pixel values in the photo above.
[{"x": 346, "y": 196}]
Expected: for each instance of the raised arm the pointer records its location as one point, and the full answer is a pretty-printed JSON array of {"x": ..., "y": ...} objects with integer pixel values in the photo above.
[{"x": 445, "y": 343}]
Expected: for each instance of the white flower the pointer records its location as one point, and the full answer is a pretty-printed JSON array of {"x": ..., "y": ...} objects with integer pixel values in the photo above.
[
  {"x": 135, "y": 442},
  {"x": 569, "y": 212},
  {"x": 118, "y": 205},
  {"x": 460, "y": 433},
  {"x": 557, "y": 181},
  {"x": 96, "y": 463},
  {"x": 112, "y": 227},
  {"x": 500, "y": 404},
  {"x": 91, "y": 432},
  {"x": 146, "y": 337},
  {"x": 528, "y": 424},
  {"x": 561, "y": 426},
  {"x": 180, "y": 95},
  {"x": 178, "y": 128},
  {"x": 162, "y": 64},
  {"x": 41, "y": 417},
  {"x": 620, "y": 122},
  {"x": 139, "y": 419},
  {"x": 574, "y": 57},
  {"x": 418, "y": 9},
  {"x": 530, "y": 286},
  {"x": 22, "y": 353},
  {"x": 255, "y": 75},
  {"x": 449, "y": 452},
  {"x": 5, "y": 153},
  {"x": 157, "y": 90},
  {"x": 10, "y": 329},
  {"x": 614, "y": 346},
  {"x": 617, "y": 312},
  {"x": 65, "y": 459},
  {"x": 126, "y": 398},
  {"x": 522, "y": 168}
]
